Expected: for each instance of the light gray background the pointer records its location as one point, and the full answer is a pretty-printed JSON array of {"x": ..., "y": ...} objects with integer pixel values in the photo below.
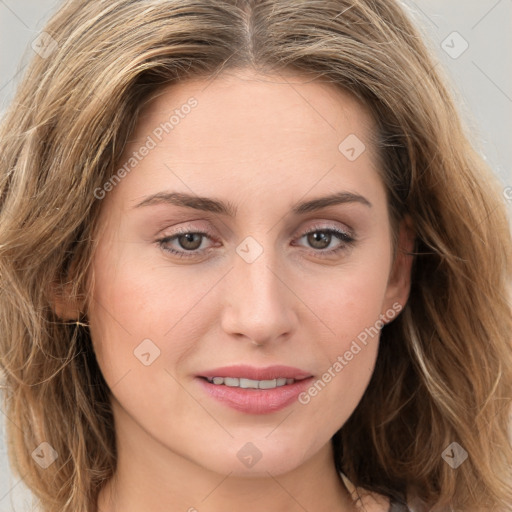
[{"x": 481, "y": 79}]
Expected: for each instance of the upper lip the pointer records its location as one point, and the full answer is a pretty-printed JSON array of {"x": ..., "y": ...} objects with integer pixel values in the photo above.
[{"x": 254, "y": 373}]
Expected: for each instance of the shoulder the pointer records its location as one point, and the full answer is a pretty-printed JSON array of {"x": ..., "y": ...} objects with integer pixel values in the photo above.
[
  {"x": 365, "y": 500},
  {"x": 371, "y": 502}
]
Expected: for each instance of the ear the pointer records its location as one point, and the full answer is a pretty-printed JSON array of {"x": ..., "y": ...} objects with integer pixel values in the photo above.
[
  {"x": 399, "y": 283},
  {"x": 64, "y": 305}
]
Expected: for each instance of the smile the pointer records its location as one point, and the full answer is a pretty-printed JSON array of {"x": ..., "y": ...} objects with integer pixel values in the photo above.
[
  {"x": 254, "y": 390},
  {"x": 250, "y": 383}
]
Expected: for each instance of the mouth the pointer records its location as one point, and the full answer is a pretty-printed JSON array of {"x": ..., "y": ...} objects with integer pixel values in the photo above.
[
  {"x": 235, "y": 382},
  {"x": 255, "y": 390},
  {"x": 244, "y": 372}
]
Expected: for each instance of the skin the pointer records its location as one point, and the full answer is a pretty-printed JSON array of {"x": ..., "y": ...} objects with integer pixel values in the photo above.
[{"x": 263, "y": 144}]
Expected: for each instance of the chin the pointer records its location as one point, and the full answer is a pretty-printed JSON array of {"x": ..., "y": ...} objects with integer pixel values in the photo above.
[{"x": 257, "y": 457}]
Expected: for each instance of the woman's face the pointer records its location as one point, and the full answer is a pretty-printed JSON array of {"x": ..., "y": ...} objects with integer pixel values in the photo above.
[{"x": 268, "y": 192}]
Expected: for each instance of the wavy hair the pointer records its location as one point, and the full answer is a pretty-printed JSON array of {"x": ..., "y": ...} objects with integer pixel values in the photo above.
[{"x": 444, "y": 368}]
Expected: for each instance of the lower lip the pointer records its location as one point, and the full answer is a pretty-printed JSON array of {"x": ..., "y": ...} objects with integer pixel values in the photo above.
[{"x": 256, "y": 401}]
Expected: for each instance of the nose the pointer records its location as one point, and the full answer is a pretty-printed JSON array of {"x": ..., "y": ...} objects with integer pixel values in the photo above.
[{"x": 258, "y": 304}]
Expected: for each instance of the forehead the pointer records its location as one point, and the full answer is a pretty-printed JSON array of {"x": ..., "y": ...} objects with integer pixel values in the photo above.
[
  {"x": 248, "y": 134},
  {"x": 259, "y": 104}
]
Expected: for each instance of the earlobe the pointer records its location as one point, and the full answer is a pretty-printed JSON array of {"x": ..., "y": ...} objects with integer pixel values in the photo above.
[
  {"x": 62, "y": 303},
  {"x": 399, "y": 283}
]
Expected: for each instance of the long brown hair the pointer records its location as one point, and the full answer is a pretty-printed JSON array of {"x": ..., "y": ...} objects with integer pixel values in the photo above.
[{"x": 444, "y": 369}]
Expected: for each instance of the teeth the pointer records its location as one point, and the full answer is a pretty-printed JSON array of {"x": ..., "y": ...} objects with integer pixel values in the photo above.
[
  {"x": 232, "y": 382},
  {"x": 235, "y": 382},
  {"x": 249, "y": 383},
  {"x": 267, "y": 384}
]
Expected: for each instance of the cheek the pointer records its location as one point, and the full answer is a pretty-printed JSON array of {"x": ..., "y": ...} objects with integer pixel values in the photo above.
[
  {"x": 135, "y": 301},
  {"x": 349, "y": 301},
  {"x": 139, "y": 339},
  {"x": 349, "y": 304}
]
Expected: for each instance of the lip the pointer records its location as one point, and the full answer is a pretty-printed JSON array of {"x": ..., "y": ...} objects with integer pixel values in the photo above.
[
  {"x": 251, "y": 372},
  {"x": 256, "y": 401}
]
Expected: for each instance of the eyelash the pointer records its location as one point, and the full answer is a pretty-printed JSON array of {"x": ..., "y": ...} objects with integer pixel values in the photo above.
[{"x": 347, "y": 239}]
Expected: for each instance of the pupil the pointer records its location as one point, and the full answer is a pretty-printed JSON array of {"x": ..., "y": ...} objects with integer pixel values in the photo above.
[
  {"x": 319, "y": 239},
  {"x": 187, "y": 241}
]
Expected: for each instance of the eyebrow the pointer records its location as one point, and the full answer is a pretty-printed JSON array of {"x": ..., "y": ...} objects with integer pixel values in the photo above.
[{"x": 207, "y": 204}]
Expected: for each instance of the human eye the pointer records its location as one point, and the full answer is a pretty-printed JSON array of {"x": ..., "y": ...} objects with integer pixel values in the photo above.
[
  {"x": 320, "y": 238},
  {"x": 185, "y": 243}
]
